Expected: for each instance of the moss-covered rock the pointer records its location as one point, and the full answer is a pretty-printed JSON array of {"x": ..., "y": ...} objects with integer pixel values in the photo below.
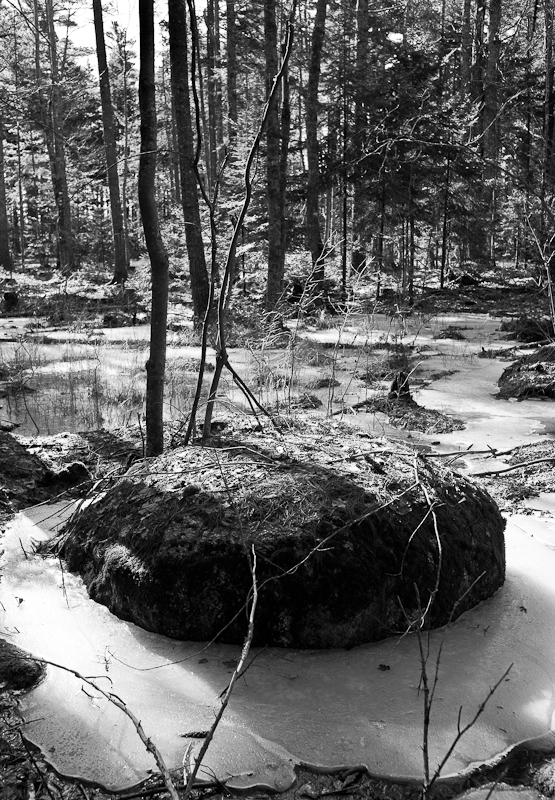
[
  {"x": 26, "y": 479},
  {"x": 18, "y": 670},
  {"x": 532, "y": 375},
  {"x": 343, "y": 527}
]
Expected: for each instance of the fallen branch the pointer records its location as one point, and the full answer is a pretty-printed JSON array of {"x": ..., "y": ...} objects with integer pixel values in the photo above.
[
  {"x": 489, "y": 452},
  {"x": 113, "y": 698},
  {"x": 522, "y": 465}
]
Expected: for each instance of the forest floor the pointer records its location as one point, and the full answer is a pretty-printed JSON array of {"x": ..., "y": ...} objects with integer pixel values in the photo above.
[{"x": 24, "y": 774}]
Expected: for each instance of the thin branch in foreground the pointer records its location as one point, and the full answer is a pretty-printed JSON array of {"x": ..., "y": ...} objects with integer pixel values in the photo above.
[
  {"x": 239, "y": 669},
  {"x": 226, "y": 288},
  {"x": 465, "y": 728}
]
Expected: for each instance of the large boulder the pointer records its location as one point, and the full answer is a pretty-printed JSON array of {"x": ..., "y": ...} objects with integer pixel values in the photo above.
[{"x": 352, "y": 536}]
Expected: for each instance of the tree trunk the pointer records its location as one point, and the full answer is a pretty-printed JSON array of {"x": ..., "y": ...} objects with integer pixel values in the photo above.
[
  {"x": 177, "y": 27},
  {"x": 231, "y": 73},
  {"x": 466, "y": 50},
  {"x": 285, "y": 135},
  {"x": 110, "y": 149},
  {"x": 273, "y": 158},
  {"x": 66, "y": 244},
  {"x": 214, "y": 86},
  {"x": 156, "y": 363},
  {"x": 5, "y": 253},
  {"x": 490, "y": 125},
  {"x": 313, "y": 231},
  {"x": 358, "y": 258},
  {"x": 549, "y": 103},
  {"x": 445, "y": 224},
  {"x": 491, "y": 85},
  {"x": 477, "y": 71},
  {"x": 121, "y": 44}
]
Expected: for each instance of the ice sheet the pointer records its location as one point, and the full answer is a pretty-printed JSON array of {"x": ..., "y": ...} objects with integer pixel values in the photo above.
[{"x": 325, "y": 708}]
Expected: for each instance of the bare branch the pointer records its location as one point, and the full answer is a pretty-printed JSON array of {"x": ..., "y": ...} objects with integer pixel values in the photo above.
[
  {"x": 119, "y": 703},
  {"x": 239, "y": 669},
  {"x": 548, "y": 460}
]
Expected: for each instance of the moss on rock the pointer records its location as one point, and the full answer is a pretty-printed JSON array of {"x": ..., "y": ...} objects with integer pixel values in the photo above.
[
  {"x": 532, "y": 375},
  {"x": 344, "y": 528},
  {"x": 18, "y": 669}
]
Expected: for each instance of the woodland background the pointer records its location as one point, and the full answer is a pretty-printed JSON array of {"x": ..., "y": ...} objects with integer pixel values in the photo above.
[{"x": 405, "y": 138}]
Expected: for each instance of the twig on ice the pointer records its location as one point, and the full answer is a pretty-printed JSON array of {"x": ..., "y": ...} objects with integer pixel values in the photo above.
[
  {"x": 119, "y": 703},
  {"x": 239, "y": 669},
  {"x": 522, "y": 465}
]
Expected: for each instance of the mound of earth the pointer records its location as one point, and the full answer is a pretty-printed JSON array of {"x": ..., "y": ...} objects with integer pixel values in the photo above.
[
  {"x": 343, "y": 527},
  {"x": 25, "y": 479},
  {"x": 407, "y": 414},
  {"x": 529, "y": 329},
  {"x": 533, "y": 474},
  {"x": 18, "y": 670},
  {"x": 532, "y": 375}
]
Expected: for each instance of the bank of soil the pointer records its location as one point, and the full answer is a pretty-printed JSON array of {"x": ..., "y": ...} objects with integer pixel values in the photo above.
[
  {"x": 532, "y": 472},
  {"x": 530, "y": 376},
  {"x": 406, "y": 414}
]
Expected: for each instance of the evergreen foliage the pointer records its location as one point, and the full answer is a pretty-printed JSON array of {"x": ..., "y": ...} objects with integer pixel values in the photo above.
[{"x": 434, "y": 122}]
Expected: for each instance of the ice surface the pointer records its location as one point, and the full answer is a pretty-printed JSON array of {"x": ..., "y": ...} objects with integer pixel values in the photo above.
[
  {"x": 502, "y": 792},
  {"x": 324, "y": 708}
]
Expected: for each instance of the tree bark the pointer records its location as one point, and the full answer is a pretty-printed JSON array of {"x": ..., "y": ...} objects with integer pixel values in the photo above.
[
  {"x": 549, "y": 104},
  {"x": 477, "y": 71},
  {"x": 490, "y": 125},
  {"x": 156, "y": 363},
  {"x": 177, "y": 27},
  {"x": 313, "y": 231},
  {"x": 231, "y": 48},
  {"x": 214, "y": 85},
  {"x": 5, "y": 253},
  {"x": 273, "y": 158},
  {"x": 110, "y": 150},
  {"x": 358, "y": 258},
  {"x": 491, "y": 84},
  {"x": 285, "y": 135},
  {"x": 66, "y": 244},
  {"x": 466, "y": 50}
]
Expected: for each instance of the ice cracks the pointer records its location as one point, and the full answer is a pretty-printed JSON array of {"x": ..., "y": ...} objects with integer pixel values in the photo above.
[{"x": 324, "y": 708}]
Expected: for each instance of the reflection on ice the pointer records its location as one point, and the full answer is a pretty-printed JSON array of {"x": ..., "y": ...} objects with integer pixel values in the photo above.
[{"x": 324, "y": 708}]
